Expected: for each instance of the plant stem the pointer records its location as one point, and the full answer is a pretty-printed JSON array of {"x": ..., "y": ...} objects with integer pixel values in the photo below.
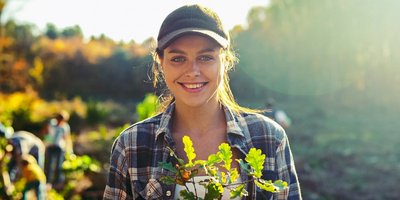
[
  {"x": 195, "y": 190},
  {"x": 232, "y": 184}
]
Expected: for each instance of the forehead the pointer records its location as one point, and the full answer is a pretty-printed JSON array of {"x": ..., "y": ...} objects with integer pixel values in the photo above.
[{"x": 193, "y": 41}]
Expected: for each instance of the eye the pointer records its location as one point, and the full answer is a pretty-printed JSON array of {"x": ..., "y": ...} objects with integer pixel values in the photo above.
[
  {"x": 205, "y": 58},
  {"x": 178, "y": 59}
]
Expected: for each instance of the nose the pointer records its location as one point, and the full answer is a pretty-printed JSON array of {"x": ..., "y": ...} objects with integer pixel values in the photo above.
[{"x": 193, "y": 69}]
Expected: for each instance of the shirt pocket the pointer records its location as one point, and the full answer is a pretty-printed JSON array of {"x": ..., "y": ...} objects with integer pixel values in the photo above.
[{"x": 152, "y": 189}]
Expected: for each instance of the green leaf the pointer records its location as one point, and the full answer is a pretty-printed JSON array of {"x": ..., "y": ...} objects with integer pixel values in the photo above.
[
  {"x": 188, "y": 148},
  {"x": 225, "y": 154},
  {"x": 213, "y": 158},
  {"x": 172, "y": 153},
  {"x": 269, "y": 186},
  {"x": 181, "y": 162},
  {"x": 244, "y": 166},
  {"x": 199, "y": 162},
  {"x": 238, "y": 191},
  {"x": 265, "y": 185},
  {"x": 234, "y": 175},
  {"x": 256, "y": 160},
  {"x": 187, "y": 195},
  {"x": 280, "y": 184},
  {"x": 167, "y": 180},
  {"x": 168, "y": 166},
  {"x": 211, "y": 170},
  {"x": 194, "y": 173},
  {"x": 214, "y": 191},
  {"x": 223, "y": 179}
]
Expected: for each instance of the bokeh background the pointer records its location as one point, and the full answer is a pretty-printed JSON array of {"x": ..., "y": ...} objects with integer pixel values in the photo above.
[{"x": 333, "y": 66}]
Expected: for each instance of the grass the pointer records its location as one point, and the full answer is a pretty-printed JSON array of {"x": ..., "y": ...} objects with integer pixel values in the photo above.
[{"x": 344, "y": 153}]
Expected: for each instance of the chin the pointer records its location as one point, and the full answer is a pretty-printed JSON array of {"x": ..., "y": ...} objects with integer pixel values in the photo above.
[{"x": 196, "y": 102}]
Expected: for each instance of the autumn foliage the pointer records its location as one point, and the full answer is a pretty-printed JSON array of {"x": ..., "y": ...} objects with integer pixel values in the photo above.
[{"x": 64, "y": 64}]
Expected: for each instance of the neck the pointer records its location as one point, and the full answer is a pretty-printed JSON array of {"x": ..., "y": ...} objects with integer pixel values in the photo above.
[{"x": 198, "y": 121}]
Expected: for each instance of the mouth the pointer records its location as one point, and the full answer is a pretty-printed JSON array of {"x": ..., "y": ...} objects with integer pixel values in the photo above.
[{"x": 193, "y": 86}]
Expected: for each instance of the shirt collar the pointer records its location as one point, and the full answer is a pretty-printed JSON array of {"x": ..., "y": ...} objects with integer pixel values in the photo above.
[
  {"x": 166, "y": 123},
  {"x": 232, "y": 123},
  {"x": 236, "y": 135}
]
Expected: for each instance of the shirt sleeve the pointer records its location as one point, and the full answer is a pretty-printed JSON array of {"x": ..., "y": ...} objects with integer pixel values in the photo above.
[
  {"x": 118, "y": 183},
  {"x": 286, "y": 171}
]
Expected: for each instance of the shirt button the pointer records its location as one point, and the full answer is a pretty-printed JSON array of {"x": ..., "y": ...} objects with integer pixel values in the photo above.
[
  {"x": 148, "y": 192},
  {"x": 168, "y": 193}
]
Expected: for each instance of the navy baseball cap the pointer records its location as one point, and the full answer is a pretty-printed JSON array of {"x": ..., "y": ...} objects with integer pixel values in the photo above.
[{"x": 192, "y": 19}]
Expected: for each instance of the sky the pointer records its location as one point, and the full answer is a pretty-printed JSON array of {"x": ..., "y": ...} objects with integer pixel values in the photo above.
[{"x": 121, "y": 20}]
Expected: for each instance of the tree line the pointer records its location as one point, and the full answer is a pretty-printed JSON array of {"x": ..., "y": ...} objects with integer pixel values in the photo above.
[{"x": 289, "y": 48}]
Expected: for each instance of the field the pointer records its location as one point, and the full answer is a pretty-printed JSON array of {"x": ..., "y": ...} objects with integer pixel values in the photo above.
[{"x": 345, "y": 152}]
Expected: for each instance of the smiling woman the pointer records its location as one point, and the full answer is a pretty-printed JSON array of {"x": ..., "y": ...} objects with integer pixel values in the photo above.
[
  {"x": 192, "y": 70},
  {"x": 193, "y": 57}
]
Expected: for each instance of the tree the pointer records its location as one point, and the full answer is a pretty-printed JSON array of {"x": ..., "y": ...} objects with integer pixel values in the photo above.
[
  {"x": 318, "y": 47},
  {"x": 2, "y": 5},
  {"x": 73, "y": 31},
  {"x": 51, "y": 31}
]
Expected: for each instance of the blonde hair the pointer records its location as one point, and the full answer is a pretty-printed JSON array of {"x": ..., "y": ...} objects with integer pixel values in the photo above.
[{"x": 224, "y": 92}]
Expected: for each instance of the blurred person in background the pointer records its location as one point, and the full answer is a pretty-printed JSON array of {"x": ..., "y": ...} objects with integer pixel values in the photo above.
[
  {"x": 58, "y": 142},
  {"x": 5, "y": 131},
  {"x": 24, "y": 142},
  {"x": 6, "y": 186},
  {"x": 277, "y": 114},
  {"x": 32, "y": 177},
  {"x": 23, "y": 145}
]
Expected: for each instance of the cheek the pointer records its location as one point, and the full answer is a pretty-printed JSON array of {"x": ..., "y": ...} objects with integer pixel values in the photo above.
[{"x": 169, "y": 76}]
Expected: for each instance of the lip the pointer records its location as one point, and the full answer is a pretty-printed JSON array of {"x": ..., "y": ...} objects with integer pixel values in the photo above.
[{"x": 193, "y": 87}]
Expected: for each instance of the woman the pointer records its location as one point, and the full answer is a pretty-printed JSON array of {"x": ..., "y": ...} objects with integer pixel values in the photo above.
[{"x": 192, "y": 58}]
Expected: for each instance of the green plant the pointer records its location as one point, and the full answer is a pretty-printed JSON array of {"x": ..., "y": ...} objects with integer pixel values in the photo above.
[
  {"x": 75, "y": 168},
  {"x": 147, "y": 107},
  {"x": 79, "y": 164},
  {"x": 220, "y": 179},
  {"x": 96, "y": 112}
]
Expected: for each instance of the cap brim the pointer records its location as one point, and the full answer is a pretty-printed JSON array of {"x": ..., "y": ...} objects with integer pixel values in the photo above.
[{"x": 166, "y": 40}]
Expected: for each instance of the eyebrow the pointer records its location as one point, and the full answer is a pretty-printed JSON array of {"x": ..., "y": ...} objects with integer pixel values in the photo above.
[{"x": 207, "y": 50}]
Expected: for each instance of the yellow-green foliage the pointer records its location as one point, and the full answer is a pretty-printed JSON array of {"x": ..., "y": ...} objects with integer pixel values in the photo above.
[
  {"x": 30, "y": 108},
  {"x": 219, "y": 180},
  {"x": 74, "y": 163},
  {"x": 147, "y": 107}
]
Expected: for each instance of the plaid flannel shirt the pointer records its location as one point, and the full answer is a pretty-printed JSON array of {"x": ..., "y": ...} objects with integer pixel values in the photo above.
[{"x": 134, "y": 171}]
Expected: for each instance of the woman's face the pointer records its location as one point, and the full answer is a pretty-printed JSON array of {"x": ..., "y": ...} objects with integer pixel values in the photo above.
[{"x": 193, "y": 70}]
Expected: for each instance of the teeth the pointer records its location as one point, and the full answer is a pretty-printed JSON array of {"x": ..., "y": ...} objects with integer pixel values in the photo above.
[{"x": 193, "y": 86}]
